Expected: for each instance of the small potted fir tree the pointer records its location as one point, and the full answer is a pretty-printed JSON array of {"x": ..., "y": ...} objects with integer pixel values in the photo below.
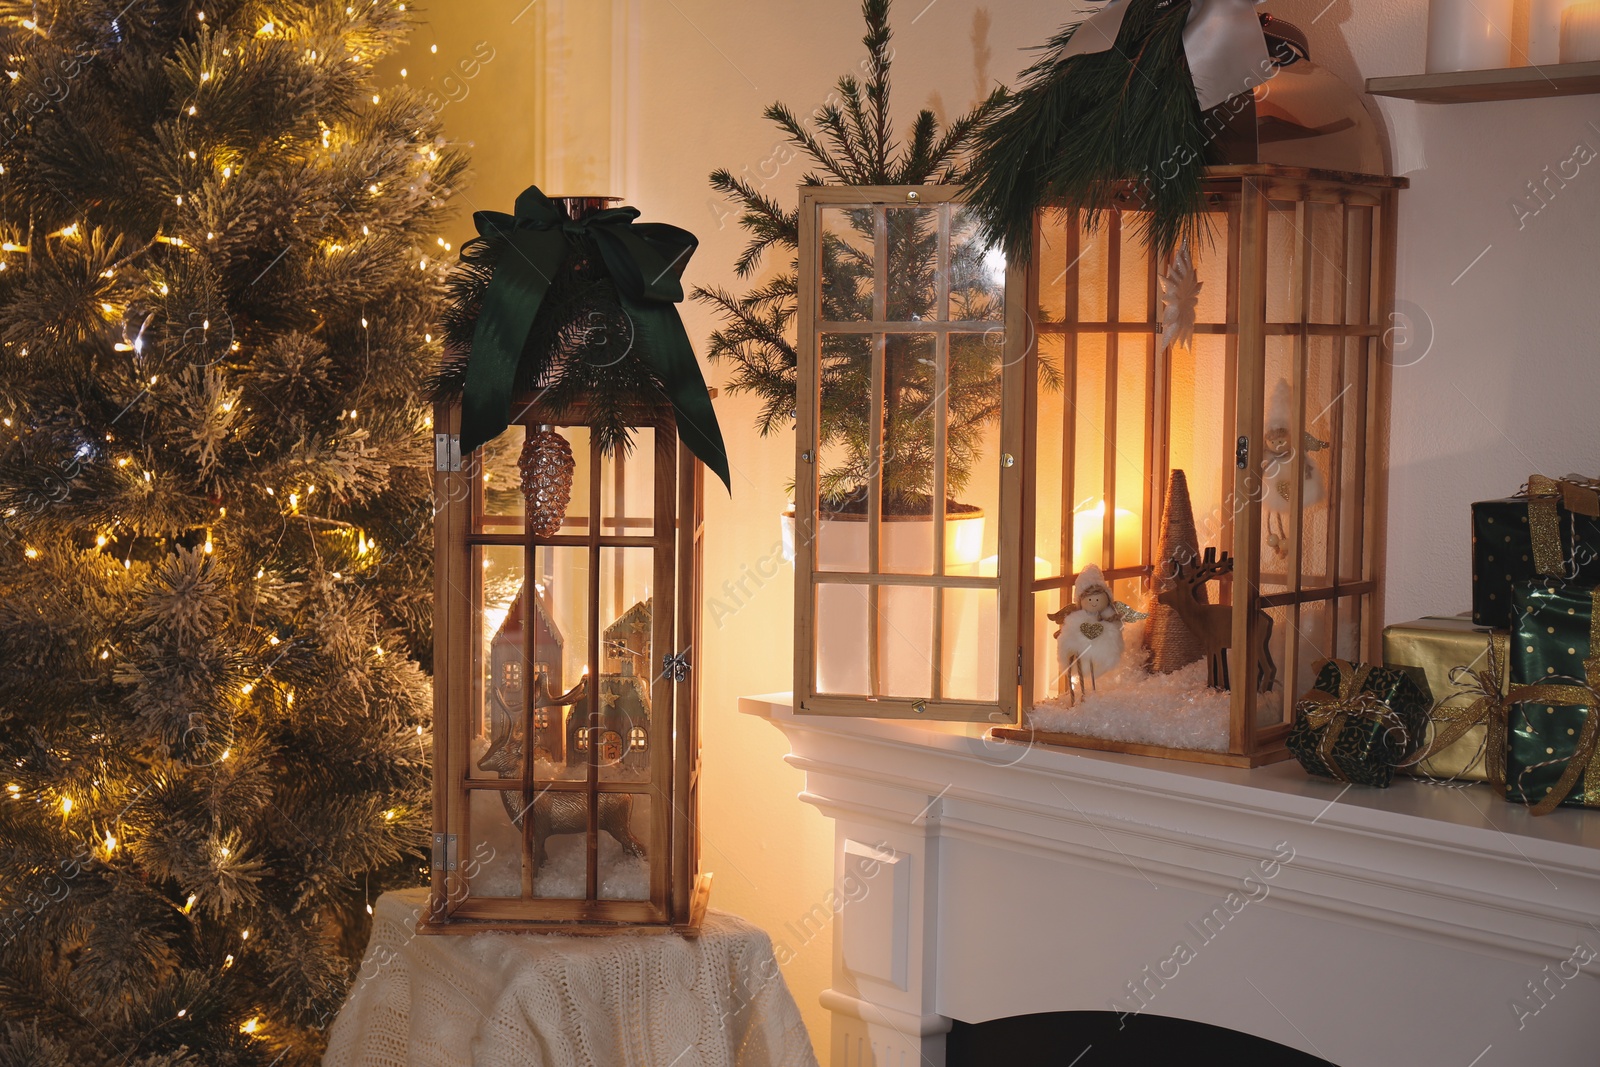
[{"x": 853, "y": 143}]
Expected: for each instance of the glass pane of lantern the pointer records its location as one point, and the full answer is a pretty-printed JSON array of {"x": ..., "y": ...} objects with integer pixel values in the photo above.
[
  {"x": 560, "y": 841},
  {"x": 909, "y": 397},
  {"x": 913, "y": 267},
  {"x": 576, "y": 523},
  {"x": 1092, "y": 269},
  {"x": 1325, "y": 234},
  {"x": 844, "y": 423},
  {"x": 968, "y": 663},
  {"x": 1132, "y": 489},
  {"x": 1358, "y": 367},
  {"x": 500, "y": 664},
  {"x": 1210, "y": 257},
  {"x": 630, "y": 665},
  {"x": 841, "y": 639},
  {"x": 1283, "y": 263},
  {"x": 628, "y": 488},
  {"x": 977, "y": 273},
  {"x": 1049, "y": 485},
  {"x": 1089, "y": 451},
  {"x": 1279, "y": 464},
  {"x": 972, "y": 453},
  {"x": 561, "y": 657},
  {"x": 1048, "y": 680},
  {"x": 1316, "y": 643},
  {"x": 1322, "y": 404},
  {"x": 905, "y": 640},
  {"x": 1199, "y": 437},
  {"x": 1358, "y": 265},
  {"x": 501, "y": 507},
  {"x": 1349, "y": 628},
  {"x": 1054, "y": 241},
  {"x": 1270, "y": 706},
  {"x": 847, "y": 265},
  {"x": 1135, "y": 290},
  {"x": 625, "y": 838},
  {"x": 493, "y": 863}
]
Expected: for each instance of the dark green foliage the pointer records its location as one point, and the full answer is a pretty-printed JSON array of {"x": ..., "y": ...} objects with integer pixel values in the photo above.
[
  {"x": 215, "y": 504},
  {"x": 1085, "y": 128},
  {"x": 853, "y": 144},
  {"x": 581, "y": 347}
]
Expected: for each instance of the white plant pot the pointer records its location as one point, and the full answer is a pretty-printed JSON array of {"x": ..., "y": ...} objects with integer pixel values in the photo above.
[{"x": 905, "y": 547}]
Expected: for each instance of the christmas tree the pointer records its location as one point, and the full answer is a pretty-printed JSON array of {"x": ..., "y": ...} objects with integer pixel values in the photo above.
[{"x": 217, "y": 285}]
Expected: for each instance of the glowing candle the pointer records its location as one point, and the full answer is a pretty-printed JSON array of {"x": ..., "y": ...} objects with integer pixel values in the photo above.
[{"x": 1544, "y": 31}]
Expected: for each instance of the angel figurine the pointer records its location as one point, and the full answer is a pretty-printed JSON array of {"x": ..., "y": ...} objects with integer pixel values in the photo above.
[
  {"x": 1278, "y": 492},
  {"x": 1089, "y": 642}
]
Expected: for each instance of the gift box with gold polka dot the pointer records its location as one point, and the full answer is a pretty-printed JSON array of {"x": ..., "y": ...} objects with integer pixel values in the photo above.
[
  {"x": 1550, "y": 650},
  {"x": 1503, "y": 556}
]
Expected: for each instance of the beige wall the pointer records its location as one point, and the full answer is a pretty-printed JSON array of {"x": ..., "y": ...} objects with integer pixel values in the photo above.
[{"x": 642, "y": 98}]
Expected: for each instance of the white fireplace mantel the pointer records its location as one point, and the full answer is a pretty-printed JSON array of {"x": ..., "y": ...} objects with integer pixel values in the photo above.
[{"x": 978, "y": 879}]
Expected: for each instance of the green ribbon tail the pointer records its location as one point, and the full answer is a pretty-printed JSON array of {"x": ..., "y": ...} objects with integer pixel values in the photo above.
[
  {"x": 521, "y": 280},
  {"x": 659, "y": 334}
]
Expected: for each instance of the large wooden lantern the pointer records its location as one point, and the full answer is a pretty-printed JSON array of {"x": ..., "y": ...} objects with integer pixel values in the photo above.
[
  {"x": 1221, "y": 485},
  {"x": 565, "y": 696}
]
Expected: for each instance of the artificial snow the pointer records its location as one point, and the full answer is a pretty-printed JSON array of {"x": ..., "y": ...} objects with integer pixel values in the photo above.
[
  {"x": 495, "y": 863},
  {"x": 1176, "y": 710}
]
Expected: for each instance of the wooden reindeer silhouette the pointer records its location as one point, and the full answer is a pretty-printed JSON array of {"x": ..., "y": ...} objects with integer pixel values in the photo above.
[
  {"x": 1213, "y": 623},
  {"x": 554, "y": 812}
]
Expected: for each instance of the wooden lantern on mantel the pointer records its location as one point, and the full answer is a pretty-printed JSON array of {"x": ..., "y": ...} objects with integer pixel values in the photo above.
[
  {"x": 1276, "y": 413},
  {"x": 566, "y": 743}
]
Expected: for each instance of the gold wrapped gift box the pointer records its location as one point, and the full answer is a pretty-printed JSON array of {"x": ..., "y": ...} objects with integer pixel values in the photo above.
[{"x": 1452, "y": 657}]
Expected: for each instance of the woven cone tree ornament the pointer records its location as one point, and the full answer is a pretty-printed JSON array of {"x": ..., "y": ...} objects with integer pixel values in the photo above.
[
  {"x": 1173, "y": 644},
  {"x": 546, "y": 465}
]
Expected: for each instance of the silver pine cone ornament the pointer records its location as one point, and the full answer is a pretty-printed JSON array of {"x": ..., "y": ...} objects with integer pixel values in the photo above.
[{"x": 546, "y": 466}]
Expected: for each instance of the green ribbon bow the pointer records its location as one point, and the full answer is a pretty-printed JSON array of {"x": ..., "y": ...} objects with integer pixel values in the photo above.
[{"x": 644, "y": 260}]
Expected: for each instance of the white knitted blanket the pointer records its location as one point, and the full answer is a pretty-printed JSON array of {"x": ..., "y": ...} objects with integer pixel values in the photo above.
[{"x": 546, "y": 1000}]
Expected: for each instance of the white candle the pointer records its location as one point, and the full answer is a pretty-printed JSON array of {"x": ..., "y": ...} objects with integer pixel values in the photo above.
[
  {"x": 1544, "y": 31},
  {"x": 1468, "y": 35},
  {"x": 1580, "y": 33}
]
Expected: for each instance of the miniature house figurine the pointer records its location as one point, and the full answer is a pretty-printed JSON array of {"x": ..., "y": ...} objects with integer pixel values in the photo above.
[
  {"x": 1052, "y": 405},
  {"x": 564, "y": 785}
]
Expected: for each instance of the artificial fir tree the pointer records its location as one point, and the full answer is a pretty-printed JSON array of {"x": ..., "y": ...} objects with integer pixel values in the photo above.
[{"x": 216, "y": 292}]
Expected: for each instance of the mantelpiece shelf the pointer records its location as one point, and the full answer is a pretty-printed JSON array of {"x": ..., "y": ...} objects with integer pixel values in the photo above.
[{"x": 1509, "y": 83}]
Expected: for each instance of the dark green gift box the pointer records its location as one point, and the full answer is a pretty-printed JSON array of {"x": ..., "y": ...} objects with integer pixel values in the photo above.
[
  {"x": 1358, "y": 722},
  {"x": 1552, "y": 713},
  {"x": 1505, "y": 549}
]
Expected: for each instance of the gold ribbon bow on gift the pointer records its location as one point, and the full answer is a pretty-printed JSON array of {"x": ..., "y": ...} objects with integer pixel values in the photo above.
[
  {"x": 1452, "y": 721},
  {"x": 1577, "y": 494},
  {"x": 1583, "y": 763},
  {"x": 1331, "y": 712}
]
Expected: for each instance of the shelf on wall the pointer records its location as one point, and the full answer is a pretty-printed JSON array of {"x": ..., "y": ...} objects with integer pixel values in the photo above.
[{"x": 1509, "y": 83}]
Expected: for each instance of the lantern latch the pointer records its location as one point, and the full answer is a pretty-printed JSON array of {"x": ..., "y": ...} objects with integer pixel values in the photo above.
[
  {"x": 446, "y": 452},
  {"x": 675, "y": 665},
  {"x": 444, "y": 852},
  {"x": 1241, "y": 452}
]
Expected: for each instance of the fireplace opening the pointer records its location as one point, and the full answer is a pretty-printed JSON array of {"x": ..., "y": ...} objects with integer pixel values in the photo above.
[{"x": 1108, "y": 1039}]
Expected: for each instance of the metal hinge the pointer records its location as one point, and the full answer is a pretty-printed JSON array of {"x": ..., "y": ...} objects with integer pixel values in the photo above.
[
  {"x": 675, "y": 665},
  {"x": 1019, "y": 664},
  {"x": 446, "y": 452},
  {"x": 444, "y": 852},
  {"x": 1241, "y": 453}
]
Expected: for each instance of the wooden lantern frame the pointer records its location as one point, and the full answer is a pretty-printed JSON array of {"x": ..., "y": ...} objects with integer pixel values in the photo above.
[
  {"x": 674, "y": 534},
  {"x": 1248, "y": 194}
]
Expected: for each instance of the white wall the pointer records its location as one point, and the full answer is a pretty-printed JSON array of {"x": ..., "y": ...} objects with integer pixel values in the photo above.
[{"x": 1504, "y": 389}]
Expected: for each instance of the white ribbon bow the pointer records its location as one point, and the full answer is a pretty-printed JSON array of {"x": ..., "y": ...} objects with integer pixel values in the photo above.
[{"x": 1222, "y": 40}]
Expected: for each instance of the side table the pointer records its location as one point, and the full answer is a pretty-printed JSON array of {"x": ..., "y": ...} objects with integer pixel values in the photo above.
[{"x": 559, "y": 1000}]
